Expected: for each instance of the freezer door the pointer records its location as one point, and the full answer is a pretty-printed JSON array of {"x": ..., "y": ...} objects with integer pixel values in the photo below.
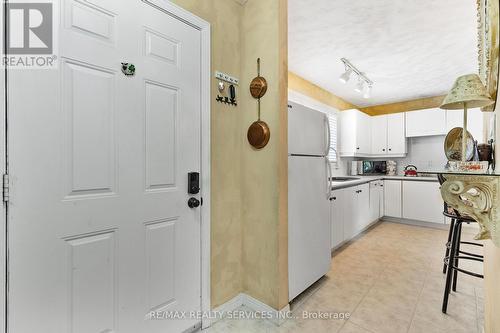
[
  {"x": 308, "y": 132},
  {"x": 309, "y": 251}
]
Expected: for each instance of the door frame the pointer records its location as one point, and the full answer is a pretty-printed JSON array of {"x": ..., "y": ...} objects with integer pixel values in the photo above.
[{"x": 204, "y": 27}]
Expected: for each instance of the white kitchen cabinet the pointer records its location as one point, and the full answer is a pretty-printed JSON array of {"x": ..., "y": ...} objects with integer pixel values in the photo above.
[
  {"x": 381, "y": 195},
  {"x": 425, "y": 122},
  {"x": 356, "y": 210},
  {"x": 455, "y": 118},
  {"x": 355, "y": 133},
  {"x": 392, "y": 198},
  {"x": 388, "y": 135},
  {"x": 379, "y": 135},
  {"x": 374, "y": 201},
  {"x": 422, "y": 201},
  {"x": 396, "y": 138},
  {"x": 337, "y": 208}
]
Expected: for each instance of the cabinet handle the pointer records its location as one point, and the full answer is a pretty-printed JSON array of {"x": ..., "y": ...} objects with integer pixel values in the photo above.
[
  {"x": 383, "y": 149},
  {"x": 334, "y": 198},
  {"x": 390, "y": 149},
  {"x": 357, "y": 148}
]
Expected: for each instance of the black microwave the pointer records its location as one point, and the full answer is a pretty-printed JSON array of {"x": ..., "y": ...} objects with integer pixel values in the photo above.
[{"x": 374, "y": 167}]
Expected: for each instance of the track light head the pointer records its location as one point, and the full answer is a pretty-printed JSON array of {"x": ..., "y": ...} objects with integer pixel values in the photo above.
[
  {"x": 346, "y": 76},
  {"x": 368, "y": 91},
  {"x": 360, "y": 85}
]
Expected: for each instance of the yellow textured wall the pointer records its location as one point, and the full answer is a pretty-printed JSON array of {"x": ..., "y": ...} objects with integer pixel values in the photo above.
[
  {"x": 249, "y": 187},
  {"x": 226, "y": 238},
  {"x": 308, "y": 88},
  {"x": 264, "y": 172}
]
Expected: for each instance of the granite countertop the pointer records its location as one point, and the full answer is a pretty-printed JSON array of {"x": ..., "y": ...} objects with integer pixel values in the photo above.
[{"x": 366, "y": 179}]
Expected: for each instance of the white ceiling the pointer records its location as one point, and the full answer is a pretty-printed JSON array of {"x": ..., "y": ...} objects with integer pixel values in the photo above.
[{"x": 409, "y": 48}]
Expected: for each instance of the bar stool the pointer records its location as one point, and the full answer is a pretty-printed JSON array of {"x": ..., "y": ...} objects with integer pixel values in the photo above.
[{"x": 453, "y": 252}]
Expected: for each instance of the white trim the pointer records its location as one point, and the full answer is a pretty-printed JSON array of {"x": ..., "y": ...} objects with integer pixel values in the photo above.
[
  {"x": 3, "y": 218},
  {"x": 278, "y": 317},
  {"x": 204, "y": 28}
]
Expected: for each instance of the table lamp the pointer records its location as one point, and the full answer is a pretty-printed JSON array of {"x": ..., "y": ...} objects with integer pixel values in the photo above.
[{"x": 467, "y": 92}]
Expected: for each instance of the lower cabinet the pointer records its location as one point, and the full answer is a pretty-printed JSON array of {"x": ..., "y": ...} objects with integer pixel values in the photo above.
[
  {"x": 392, "y": 198},
  {"x": 422, "y": 201},
  {"x": 349, "y": 213},
  {"x": 337, "y": 200}
]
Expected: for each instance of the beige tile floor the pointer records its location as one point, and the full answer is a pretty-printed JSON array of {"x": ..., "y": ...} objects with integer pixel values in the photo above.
[{"x": 389, "y": 280}]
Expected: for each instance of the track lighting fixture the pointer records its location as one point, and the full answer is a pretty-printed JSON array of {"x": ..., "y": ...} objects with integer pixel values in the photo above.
[
  {"x": 368, "y": 91},
  {"x": 346, "y": 76},
  {"x": 364, "y": 84},
  {"x": 360, "y": 85}
]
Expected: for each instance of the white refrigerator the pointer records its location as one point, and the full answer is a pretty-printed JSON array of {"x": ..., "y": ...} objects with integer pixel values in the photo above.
[{"x": 309, "y": 189}]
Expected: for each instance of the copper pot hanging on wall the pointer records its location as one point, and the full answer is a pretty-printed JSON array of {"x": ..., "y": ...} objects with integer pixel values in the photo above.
[{"x": 258, "y": 134}]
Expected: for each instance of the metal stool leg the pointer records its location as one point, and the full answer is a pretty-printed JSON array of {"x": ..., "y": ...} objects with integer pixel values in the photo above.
[
  {"x": 457, "y": 254},
  {"x": 451, "y": 260},
  {"x": 447, "y": 253}
]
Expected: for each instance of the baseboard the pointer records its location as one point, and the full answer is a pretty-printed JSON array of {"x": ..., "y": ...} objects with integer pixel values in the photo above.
[
  {"x": 277, "y": 317},
  {"x": 432, "y": 225}
]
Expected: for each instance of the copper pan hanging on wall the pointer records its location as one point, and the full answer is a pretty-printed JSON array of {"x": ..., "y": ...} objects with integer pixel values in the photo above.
[{"x": 258, "y": 134}]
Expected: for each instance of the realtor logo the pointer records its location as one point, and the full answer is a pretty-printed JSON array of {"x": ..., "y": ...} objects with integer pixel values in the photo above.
[{"x": 29, "y": 35}]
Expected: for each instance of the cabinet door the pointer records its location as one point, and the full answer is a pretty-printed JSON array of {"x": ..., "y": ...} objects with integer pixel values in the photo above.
[
  {"x": 396, "y": 138},
  {"x": 455, "y": 118},
  {"x": 379, "y": 135},
  {"x": 350, "y": 212},
  {"x": 422, "y": 201},
  {"x": 425, "y": 122},
  {"x": 363, "y": 207},
  {"x": 392, "y": 198},
  {"x": 374, "y": 201},
  {"x": 381, "y": 198},
  {"x": 337, "y": 200},
  {"x": 364, "y": 135},
  {"x": 348, "y": 130}
]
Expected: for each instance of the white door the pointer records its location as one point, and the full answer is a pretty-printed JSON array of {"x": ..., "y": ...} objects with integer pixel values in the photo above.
[
  {"x": 309, "y": 251},
  {"x": 308, "y": 132},
  {"x": 100, "y": 233},
  {"x": 379, "y": 135},
  {"x": 396, "y": 138}
]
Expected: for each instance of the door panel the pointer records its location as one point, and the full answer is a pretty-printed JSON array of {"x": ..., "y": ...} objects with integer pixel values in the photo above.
[
  {"x": 379, "y": 135},
  {"x": 396, "y": 139},
  {"x": 100, "y": 233}
]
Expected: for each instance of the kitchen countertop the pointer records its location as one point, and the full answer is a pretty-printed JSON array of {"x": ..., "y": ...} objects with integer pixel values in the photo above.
[{"x": 366, "y": 179}]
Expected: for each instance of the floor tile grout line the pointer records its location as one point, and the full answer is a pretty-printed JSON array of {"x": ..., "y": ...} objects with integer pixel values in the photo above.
[{"x": 418, "y": 301}]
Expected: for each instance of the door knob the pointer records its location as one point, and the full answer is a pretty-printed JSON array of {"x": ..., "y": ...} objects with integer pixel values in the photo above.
[{"x": 193, "y": 203}]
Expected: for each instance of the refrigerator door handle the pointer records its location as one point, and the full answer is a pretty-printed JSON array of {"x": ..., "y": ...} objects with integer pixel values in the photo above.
[
  {"x": 328, "y": 138},
  {"x": 329, "y": 178}
]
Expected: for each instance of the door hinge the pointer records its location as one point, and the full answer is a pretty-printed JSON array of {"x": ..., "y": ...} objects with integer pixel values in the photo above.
[{"x": 5, "y": 187}]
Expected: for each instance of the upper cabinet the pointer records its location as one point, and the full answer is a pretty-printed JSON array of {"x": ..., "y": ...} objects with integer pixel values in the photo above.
[
  {"x": 355, "y": 133},
  {"x": 426, "y": 122},
  {"x": 388, "y": 135}
]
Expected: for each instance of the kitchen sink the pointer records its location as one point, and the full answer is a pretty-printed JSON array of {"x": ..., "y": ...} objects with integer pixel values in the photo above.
[{"x": 343, "y": 179}]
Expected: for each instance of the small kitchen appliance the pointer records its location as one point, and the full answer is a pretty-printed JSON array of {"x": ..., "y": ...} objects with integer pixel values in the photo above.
[
  {"x": 372, "y": 168},
  {"x": 410, "y": 171}
]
